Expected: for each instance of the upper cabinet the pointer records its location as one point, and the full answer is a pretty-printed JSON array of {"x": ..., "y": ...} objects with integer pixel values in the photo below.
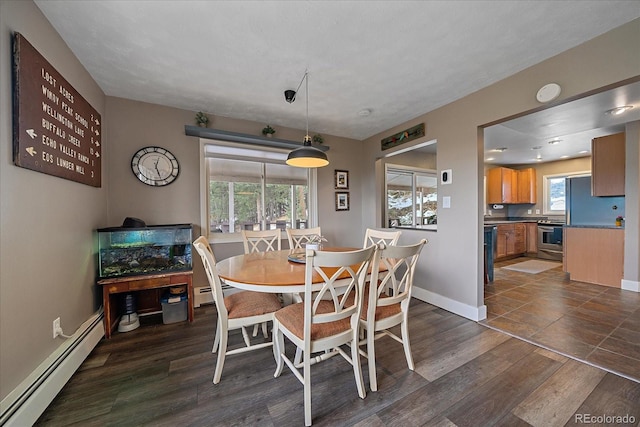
[
  {"x": 506, "y": 185},
  {"x": 607, "y": 165},
  {"x": 527, "y": 189}
]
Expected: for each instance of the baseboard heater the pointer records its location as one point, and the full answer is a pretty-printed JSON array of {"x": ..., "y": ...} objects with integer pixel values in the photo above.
[
  {"x": 203, "y": 295},
  {"x": 26, "y": 403}
]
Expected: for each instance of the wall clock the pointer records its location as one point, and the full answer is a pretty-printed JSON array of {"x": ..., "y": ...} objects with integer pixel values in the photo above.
[{"x": 155, "y": 166}]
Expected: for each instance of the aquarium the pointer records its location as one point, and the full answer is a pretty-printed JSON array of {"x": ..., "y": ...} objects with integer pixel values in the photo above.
[{"x": 145, "y": 250}]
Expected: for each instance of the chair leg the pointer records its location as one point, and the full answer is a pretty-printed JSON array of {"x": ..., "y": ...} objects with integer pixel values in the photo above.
[
  {"x": 222, "y": 352},
  {"x": 357, "y": 369},
  {"x": 216, "y": 339},
  {"x": 245, "y": 335},
  {"x": 307, "y": 388},
  {"x": 404, "y": 328},
  {"x": 265, "y": 333},
  {"x": 255, "y": 330},
  {"x": 371, "y": 359},
  {"x": 278, "y": 348},
  {"x": 298, "y": 357}
]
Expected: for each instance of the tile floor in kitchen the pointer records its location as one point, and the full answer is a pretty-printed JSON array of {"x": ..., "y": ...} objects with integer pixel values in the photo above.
[{"x": 596, "y": 324}]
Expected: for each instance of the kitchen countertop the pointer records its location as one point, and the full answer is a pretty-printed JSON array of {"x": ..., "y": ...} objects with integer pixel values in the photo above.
[{"x": 594, "y": 226}]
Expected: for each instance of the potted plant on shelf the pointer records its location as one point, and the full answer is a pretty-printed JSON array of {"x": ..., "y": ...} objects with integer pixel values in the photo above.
[
  {"x": 619, "y": 220},
  {"x": 318, "y": 139},
  {"x": 268, "y": 131},
  {"x": 201, "y": 119}
]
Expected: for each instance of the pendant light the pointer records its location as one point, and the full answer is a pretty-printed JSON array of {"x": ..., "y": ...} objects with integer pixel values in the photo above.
[{"x": 305, "y": 156}]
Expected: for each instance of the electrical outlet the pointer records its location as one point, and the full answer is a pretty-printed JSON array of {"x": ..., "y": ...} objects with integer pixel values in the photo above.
[
  {"x": 57, "y": 330},
  {"x": 529, "y": 212}
]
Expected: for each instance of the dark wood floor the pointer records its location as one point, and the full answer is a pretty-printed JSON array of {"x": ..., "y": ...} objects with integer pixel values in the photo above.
[
  {"x": 466, "y": 375},
  {"x": 593, "y": 323}
]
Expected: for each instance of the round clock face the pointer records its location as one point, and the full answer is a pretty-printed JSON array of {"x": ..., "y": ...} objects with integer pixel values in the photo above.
[{"x": 155, "y": 166}]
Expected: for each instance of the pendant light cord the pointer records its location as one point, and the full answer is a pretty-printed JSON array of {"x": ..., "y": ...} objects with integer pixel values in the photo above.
[{"x": 306, "y": 76}]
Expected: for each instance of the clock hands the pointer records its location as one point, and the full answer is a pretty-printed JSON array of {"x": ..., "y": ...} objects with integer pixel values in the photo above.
[{"x": 156, "y": 167}]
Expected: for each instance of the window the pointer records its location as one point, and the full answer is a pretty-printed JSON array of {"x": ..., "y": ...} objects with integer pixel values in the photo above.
[
  {"x": 554, "y": 192},
  {"x": 254, "y": 192},
  {"x": 412, "y": 197}
]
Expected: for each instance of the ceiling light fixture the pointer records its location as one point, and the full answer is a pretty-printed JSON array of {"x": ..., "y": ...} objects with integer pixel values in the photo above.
[
  {"x": 364, "y": 113},
  {"x": 554, "y": 141},
  {"x": 305, "y": 156},
  {"x": 537, "y": 147},
  {"x": 500, "y": 150},
  {"x": 619, "y": 110}
]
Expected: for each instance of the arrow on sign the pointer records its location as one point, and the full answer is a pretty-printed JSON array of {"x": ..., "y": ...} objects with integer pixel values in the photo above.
[
  {"x": 98, "y": 122},
  {"x": 97, "y": 154},
  {"x": 31, "y": 133},
  {"x": 31, "y": 151}
]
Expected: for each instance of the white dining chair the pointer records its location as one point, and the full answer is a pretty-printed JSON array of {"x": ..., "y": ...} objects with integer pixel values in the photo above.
[
  {"x": 236, "y": 311},
  {"x": 320, "y": 326},
  {"x": 382, "y": 311},
  {"x": 299, "y": 237},
  {"x": 261, "y": 241},
  {"x": 375, "y": 237}
]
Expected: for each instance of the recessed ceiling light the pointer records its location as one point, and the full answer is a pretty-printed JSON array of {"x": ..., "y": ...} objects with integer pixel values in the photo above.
[
  {"x": 500, "y": 150},
  {"x": 364, "y": 113},
  {"x": 583, "y": 151},
  {"x": 554, "y": 141},
  {"x": 537, "y": 147},
  {"x": 619, "y": 110},
  {"x": 564, "y": 157},
  {"x": 490, "y": 159}
]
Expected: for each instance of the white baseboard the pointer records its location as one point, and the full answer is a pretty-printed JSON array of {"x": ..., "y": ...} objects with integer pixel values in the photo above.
[
  {"x": 472, "y": 313},
  {"x": 630, "y": 285},
  {"x": 24, "y": 405}
]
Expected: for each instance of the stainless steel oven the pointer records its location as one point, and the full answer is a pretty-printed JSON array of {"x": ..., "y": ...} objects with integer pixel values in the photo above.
[{"x": 550, "y": 240}]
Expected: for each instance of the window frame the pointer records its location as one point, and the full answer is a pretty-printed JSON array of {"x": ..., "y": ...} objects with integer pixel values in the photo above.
[
  {"x": 312, "y": 182},
  {"x": 546, "y": 193},
  {"x": 414, "y": 171}
]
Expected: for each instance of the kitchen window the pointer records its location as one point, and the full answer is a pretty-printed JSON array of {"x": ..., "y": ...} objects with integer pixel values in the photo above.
[
  {"x": 554, "y": 192},
  {"x": 412, "y": 197},
  {"x": 254, "y": 190}
]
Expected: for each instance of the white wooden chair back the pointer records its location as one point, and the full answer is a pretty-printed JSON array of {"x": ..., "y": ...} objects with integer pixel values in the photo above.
[
  {"x": 376, "y": 237},
  {"x": 261, "y": 241},
  {"x": 299, "y": 237},
  {"x": 209, "y": 262},
  {"x": 331, "y": 266},
  {"x": 397, "y": 281}
]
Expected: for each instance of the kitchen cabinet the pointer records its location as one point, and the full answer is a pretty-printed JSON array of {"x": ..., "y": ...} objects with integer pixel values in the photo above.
[
  {"x": 510, "y": 240},
  {"x": 607, "y": 165},
  {"x": 502, "y": 185},
  {"x": 527, "y": 186},
  {"x": 532, "y": 237},
  {"x": 594, "y": 255},
  {"x": 506, "y": 185}
]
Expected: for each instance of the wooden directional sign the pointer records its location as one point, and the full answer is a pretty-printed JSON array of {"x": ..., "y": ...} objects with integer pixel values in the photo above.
[{"x": 55, "y": 130}]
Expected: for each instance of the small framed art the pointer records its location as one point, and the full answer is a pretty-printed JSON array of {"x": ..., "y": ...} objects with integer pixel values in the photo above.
[
  {"x": 342, "y": 201},
  {"x": 341, "y": 180}
]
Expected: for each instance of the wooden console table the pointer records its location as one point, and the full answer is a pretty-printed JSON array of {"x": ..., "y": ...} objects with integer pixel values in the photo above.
[{"x": 118, "y": 285}]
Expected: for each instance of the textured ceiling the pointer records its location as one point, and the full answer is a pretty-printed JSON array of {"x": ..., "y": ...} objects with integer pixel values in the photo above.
[{"x": 399, "y": 59}]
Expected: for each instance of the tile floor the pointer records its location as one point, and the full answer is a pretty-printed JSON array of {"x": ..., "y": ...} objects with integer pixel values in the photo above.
[{"x": 592, "y": 323}]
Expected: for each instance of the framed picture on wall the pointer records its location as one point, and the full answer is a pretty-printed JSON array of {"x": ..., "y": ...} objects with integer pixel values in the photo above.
[
  {"x": 341, "y": 180},
  {"x": 342, "y": 201}
]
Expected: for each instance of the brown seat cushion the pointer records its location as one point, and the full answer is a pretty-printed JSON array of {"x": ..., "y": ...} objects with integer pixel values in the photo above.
[
  {"x": 381, "y": 312},
  {"x": 292, "y": 318},
  {"x": 248, "y": 303}
]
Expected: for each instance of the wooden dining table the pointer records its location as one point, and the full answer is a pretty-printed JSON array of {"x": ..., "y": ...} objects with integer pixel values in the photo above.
[{"x": 271, "y": 271}]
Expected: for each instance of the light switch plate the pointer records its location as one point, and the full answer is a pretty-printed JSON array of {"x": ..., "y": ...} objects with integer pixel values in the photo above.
[{"x": 446, "y": 202}]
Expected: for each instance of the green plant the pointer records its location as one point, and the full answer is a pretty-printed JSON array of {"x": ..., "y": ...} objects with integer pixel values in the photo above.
[
  {"x": 201, "y": 119},
  {"x": 318, "y": 139},
  {"x": 317, "y": 239},
  {"x": 268, "y": 130}
]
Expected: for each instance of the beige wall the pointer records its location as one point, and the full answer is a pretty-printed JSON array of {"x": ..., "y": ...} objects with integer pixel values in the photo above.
[
  {"x": 132, "y": 125},
  {"x": 605, "y": 60},
  {"x": 47, "y": 224}
]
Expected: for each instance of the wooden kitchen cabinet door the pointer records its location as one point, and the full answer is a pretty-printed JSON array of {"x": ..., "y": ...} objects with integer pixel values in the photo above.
[
  {"x": 527, "y": 186},
  {"x": 607, "y": 165},
  {"x": 520, "y": 239},
  {"x": 532, "y": 237},
  {"x": 501, "y": 185}
]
